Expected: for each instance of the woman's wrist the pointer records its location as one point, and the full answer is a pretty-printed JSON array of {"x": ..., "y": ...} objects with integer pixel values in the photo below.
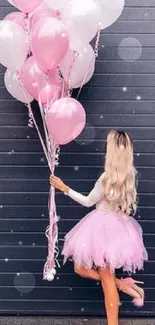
[{"x": 65, "y": 188}]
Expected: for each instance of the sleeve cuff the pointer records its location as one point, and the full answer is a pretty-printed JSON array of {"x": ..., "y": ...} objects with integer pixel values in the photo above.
[{"x": 67, "y": 193}]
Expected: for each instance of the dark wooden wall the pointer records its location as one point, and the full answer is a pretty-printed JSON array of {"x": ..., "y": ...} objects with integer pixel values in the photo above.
[{"x": 120, "y": 95}]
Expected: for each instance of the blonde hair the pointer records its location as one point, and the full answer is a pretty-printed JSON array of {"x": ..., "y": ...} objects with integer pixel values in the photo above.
[{"x": 119, "y": 181}]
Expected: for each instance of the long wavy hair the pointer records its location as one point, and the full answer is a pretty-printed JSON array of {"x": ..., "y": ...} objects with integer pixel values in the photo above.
[{"x": 119, "y": 181}]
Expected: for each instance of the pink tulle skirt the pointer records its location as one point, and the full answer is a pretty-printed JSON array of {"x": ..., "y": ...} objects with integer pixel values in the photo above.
[{"x": 106, "y": 238}]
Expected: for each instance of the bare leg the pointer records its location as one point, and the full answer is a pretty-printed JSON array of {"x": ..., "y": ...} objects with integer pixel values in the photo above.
[
  {"x": 108, "y": 282},
  {"x": 87, "y": 273},
  {"x": 95, "y": 275}
]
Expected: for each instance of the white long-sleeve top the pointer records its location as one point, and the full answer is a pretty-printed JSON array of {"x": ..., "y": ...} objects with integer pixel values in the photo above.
[{"x": 94, "y": 197}]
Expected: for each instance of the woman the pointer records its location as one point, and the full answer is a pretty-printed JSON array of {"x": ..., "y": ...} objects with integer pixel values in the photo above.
[{"x": 108, "y": 238}]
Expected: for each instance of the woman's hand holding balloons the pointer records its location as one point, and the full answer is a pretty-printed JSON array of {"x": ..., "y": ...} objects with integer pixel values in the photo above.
[{"x": 58, "y": 184}]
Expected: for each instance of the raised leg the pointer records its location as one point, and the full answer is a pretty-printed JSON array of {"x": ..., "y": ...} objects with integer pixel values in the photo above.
[
  {"x": 86, "y": 273},
  {"x": 95, "y": 275}
]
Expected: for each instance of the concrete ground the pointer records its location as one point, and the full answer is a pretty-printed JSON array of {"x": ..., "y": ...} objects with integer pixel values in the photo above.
[{"x": 69, "y": 321}]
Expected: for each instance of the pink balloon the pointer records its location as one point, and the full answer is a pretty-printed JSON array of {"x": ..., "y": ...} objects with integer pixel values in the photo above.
[
  {"x": 34, "y": 79},
  {"x": 27, "y": 6},
  {"x": 50, "y": 42},
  {"x": 18, "y": 17},
  {"x": 65, "y": 120},
  {"x": 49, "y": 92},
  {"x": 42, "y": 13}
]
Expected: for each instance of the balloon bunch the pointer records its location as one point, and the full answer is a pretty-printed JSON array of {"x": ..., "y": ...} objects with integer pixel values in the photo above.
[{"x": 47, "y": 52}]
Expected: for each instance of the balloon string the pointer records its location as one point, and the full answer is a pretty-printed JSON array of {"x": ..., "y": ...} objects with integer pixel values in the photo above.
[
  {"x": 52, "y": 155},
  {"x": 42, "y": 113},
  {"x": 33, "y": 121},
  {"x": 48, "y": 142},
  {"x": 40, "y": 136},
  {"x": 52, "y": 230},
  {"x": 61, "y": 82},
  {"x": 91, "y": 63},
  {"x": 97, "y": 43},
  {"x": 52, "y": 152},
  {"x": 69, "y": 80},
  {"x": 27, "y": 27},
  {"x": 30, "y": 123}
]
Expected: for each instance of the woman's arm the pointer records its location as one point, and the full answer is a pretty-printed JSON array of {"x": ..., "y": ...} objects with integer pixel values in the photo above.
[{"x": 91, "y": 199}]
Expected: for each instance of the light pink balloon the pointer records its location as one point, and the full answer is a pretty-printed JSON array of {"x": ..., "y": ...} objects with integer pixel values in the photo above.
[
  {"x": 34, "y": 79},
  {"x": 14, "y": 87},
  {"x": 41, "y": 13},
  {"x": 65, "y": 120},
  {"x": 13, "y": 45},
  {"x": 49, "y": 92},
  {"x": 27, "y": 6},
  {"x": 50, "y": 42},
  {"x": 18, "y": 17}
]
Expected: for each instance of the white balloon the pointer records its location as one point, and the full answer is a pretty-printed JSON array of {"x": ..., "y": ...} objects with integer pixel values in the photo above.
[
  {"x": 83, "y": 67},
  {"x": 86, "y": 78},
  {"x": 56, "y": 4},
  {"x": 89, "y": 75},
  {"x": 13, "y": 46},
  {"x": 11, "y": 2},
  {"x": 110, "y": 10},
  {"x": 82, "y": 21},
  {"x": 14, "y": 87}
]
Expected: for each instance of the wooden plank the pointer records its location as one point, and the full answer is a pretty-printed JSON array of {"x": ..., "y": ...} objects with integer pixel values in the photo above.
[
  {"x": 75, "y": 162},
  {"x": 42, "y": 186},
  {"x": 112, "y": 53},
  {"x": 27, "y": 172},
  {"x": 123, "y": 81},
  {"x": 138, "y": 13},
  {"x": 40, "y": 212},
  {"x": 116, "y": 93},
  {"x": 109, "y": 39},
  {"x": 133, "y": 26},
  {"x": 140, "y": 3},
  {"x": 65, "y": 225}
]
